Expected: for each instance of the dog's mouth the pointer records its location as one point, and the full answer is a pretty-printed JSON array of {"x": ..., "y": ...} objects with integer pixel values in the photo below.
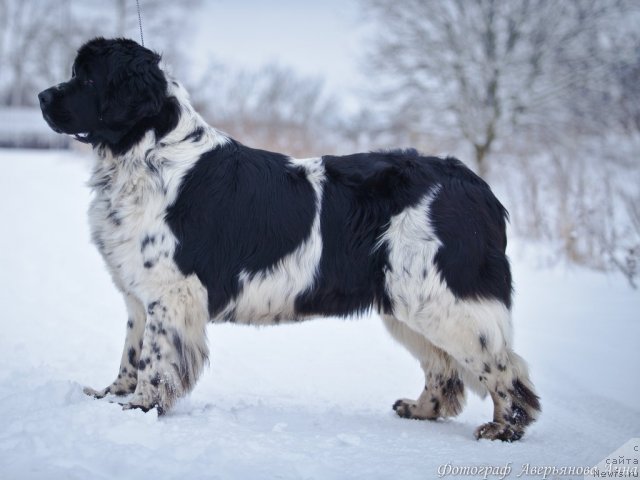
[{"x": 83, "y": 137}]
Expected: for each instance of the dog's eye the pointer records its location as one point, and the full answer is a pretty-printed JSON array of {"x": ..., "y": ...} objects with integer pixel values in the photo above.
[{"x": 88, "y": 82}]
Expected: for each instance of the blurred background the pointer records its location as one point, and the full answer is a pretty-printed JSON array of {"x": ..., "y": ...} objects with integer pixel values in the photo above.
[{"x": 540, "y": 97}]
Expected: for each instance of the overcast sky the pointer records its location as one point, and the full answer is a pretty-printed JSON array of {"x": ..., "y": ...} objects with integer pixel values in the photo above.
[{"x": 314, "y": 37}]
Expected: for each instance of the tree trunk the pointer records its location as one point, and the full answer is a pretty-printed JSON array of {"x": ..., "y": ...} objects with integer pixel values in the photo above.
[
  {"x": 121, "y": 9},
  {"x": 482, "y": 169}
]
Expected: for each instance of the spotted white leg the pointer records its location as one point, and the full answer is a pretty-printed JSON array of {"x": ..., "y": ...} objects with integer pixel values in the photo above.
[
  {"x": 443, "y": 394},
  {"x": 127, "y": 378},
  {"x": 174, "y": 350},
  {"x": 478, "y": 335},
  {"x": 515, "y": 402}
]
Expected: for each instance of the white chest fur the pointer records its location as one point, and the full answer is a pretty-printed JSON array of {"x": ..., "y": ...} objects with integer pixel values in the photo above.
[{"x": 127, "y": 221}]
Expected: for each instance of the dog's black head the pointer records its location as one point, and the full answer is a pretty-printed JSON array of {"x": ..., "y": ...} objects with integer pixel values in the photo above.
[{"x": 116, "y": 93}]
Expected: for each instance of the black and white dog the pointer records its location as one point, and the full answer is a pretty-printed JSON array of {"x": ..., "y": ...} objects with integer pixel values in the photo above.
[{"x": 196, "y": 227}]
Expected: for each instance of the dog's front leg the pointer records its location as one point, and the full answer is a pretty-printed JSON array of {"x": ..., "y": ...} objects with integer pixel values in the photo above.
[
  {"x": 128, "y": 374},
  {"x": 174, "y": 349}
]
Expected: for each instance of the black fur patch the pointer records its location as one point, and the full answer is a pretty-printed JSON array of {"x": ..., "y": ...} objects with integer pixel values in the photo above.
[
  {"x": 238, "y": 209},
  {"x": 522, "y": 394},
  {"x": 518, "y": 416},
  {"x": 194, "y": 136},
  {"x": 155, "y": 380},
  {"x": 177, "y": 343},
  {"x": 452, "y": 389},
  {"x": 471, "y": 224},
  {"x": 132, "y": 357},
  {"x": 435, "y": 406},
  {"x": 147, "y": 240},
  {"x": 152, "y": 306}
]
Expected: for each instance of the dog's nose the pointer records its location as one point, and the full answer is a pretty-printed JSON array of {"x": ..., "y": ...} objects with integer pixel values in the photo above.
[{"x": 45, "y": 97}]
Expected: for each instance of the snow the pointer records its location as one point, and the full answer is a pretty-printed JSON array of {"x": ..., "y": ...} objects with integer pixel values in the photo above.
[{"x": 308, "y": 401}]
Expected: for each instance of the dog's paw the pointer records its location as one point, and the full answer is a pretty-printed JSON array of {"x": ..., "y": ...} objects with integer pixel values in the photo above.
[
  {"x": 144, "y": 407},
  {"x": 116, "y": 388},
  {"x": 498, "y": 431},
  {"x": 95, "y": 393},
  {"x": 119, "y": 390},
  {"x": 150, "y": 395},
  {"x": 406, "y": 408},
  {"x": 144, "y": 401}
]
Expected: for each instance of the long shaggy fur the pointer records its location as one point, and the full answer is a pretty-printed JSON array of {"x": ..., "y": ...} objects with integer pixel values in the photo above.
[{"x": 196, "y": 227}]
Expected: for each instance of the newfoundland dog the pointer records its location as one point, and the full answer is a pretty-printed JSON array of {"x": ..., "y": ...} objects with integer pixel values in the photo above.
[{"x": 196, "y": 227}]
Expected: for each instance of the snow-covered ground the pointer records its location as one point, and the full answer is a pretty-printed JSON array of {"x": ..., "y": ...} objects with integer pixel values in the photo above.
[{"x": 300, "y": 401}]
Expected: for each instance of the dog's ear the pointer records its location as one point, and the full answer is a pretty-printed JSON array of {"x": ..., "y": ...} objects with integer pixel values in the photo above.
[{"x": 135, "y": 90}]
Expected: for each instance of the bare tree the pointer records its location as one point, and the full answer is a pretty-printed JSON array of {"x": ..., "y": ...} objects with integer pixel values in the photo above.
[{"x": 484, "y": 70}]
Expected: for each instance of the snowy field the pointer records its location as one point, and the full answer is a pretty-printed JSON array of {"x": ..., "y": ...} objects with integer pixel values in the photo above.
[{"x": 310, "y": 401}]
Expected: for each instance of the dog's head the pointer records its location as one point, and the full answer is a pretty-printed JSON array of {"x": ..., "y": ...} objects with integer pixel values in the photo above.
[{"x": 116, "y": 85}]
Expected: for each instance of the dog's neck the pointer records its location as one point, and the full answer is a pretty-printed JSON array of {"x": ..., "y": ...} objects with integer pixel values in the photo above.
[
  {"x": 165, "y": 149},
  {"x": 161, "y": 123}
]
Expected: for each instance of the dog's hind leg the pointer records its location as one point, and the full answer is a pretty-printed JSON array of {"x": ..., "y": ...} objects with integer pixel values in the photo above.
[
  {"x": 128, "y": 374},
  {"x": 174, "y": 349},
  {"x": 477, "y": 333},
  {"x": 443, "y": 394}
]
